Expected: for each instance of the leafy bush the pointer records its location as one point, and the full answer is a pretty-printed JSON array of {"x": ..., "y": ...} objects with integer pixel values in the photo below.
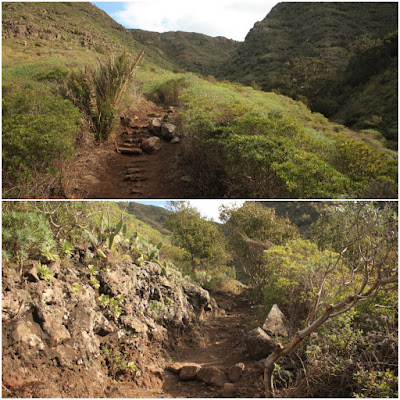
[
  {"x": 379, "y": 384},
  {"x": 26, "y": 235},
  {"x": 99, "y": 92},
  {"x": 168, "y": 92},
  {"x": 251, "y": 229},
  {"x": 342, "y": 356},
  {"x": 305, "y": 175},
  {"x": 38, "y": 131},
  {"x": 291, "y": 271},
  {"x": 359, "y": 161}
]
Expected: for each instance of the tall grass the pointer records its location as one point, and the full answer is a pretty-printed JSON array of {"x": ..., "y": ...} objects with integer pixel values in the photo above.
[{"x": 98, "y": 92}]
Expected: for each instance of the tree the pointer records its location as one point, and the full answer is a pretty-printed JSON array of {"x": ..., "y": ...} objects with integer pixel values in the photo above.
[
  {"x": 364, "y": 236},
  {"x": 202, "y": 239},
  {"x": 252, "y": 229},
  {"x": 309, "y": 77},
  {"x": 293, "y": 271}
]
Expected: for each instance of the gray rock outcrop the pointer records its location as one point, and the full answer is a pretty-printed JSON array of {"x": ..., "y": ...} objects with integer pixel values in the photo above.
[
  {"x": 151, "y": 144},
  {"x": 276, "y": 323},
  {"x": 259, "y": 344},
  {"x": 61, "y": 322}
]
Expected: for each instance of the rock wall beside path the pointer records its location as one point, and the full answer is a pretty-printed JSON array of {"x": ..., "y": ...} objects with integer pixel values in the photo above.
[{"x": 65, "y": 338}]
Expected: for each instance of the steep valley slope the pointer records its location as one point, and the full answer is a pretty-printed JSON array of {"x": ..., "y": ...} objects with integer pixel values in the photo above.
[{"x": 289, "y": 152}]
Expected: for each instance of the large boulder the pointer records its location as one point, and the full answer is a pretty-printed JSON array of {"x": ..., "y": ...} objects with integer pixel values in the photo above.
[
  {"x": 168, "y": 131},
  {"x": 259, "y": 344},
  {"x": 155, "y": 126},
  {"x": 151, "y": 144},
  {"x": 212, "y": 376},
  {"x": 189, "y": 372},
  {"x": 276, "y": 323}
]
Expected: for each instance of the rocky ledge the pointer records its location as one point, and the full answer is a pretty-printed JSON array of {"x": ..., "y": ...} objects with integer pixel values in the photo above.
[{"x": 72, "y": 335}]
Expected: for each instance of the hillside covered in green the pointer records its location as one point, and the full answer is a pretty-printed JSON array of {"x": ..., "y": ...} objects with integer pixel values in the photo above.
[
  {"x": 65, "y": 88},
  {"x": 341, "y": 58},
  {"x": 191, "y": 51},
  {"x": 154, "y": 216}
]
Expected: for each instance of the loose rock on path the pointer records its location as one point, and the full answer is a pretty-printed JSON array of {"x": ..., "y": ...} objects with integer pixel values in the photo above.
[{"x": 217, "y": 367}]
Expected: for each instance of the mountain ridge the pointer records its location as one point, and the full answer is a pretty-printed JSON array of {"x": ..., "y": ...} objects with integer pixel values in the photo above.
[{"x": 191, "y": 51}]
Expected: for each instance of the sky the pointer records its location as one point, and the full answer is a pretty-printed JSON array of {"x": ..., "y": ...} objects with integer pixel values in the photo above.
[
  {"x": 230, "y": 18},
  {"x": 208, "y": 208}
]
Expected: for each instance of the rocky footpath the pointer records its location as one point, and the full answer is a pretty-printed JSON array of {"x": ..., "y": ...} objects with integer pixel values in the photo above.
[
  {"x": 230, "y": 364},
  {"x": 78, "y": 333},
  {"x": 138, "y": 164}
]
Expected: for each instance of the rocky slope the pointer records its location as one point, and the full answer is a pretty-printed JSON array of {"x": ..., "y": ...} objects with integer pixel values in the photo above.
[
  {"x": 78, "y": 26},
  {"x": 70, "y": 337}
]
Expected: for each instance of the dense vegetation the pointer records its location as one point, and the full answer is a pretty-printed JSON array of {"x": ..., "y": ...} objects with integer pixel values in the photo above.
[
  {"x": 191, "y": 51},
  {"x": 252, "y": 144},
  {"x": 340, "y": 285},
  {"x": 264, "y": 145},
  {"x": 340, "y": 58}
]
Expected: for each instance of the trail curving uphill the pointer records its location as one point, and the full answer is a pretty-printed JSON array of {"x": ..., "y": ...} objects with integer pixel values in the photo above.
[
  {"x": 222, "y": 347},
  {"x": 108, "y": 172}
]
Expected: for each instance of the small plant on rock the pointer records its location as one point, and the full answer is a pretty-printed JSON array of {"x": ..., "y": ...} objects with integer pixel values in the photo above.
[
  {"x": 95, "y": 283},
  {"x": 76, "y": 288},
  {"x": 119, "y": 364},
  {"x": 157, "y": 309},
  {"x": 44, "y": 273},
  {"x": 112, "y": 303},
  {"x": 93, "y": 270}
]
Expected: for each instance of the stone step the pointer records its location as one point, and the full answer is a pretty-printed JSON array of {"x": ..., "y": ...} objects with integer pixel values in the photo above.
[
  {"x": 129, "y": 151},
  {"x": 133, "y": 171},
  {"x": 136, "y": 192},
  {"x": 133, "y": 140},
  {"x": 135, "y": 178}
]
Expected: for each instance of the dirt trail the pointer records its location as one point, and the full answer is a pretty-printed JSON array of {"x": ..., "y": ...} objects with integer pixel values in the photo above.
[
  {"x": 101, "y": 173},
  {"x": 222, "y": 347}
]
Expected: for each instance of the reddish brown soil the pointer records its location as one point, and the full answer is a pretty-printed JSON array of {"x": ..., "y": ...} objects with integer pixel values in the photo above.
[{"x": 99, "y": 172}]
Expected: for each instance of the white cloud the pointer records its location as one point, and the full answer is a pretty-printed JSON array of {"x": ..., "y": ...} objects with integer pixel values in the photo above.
[
  {"x": 210, "y": 17},
  {"x": 210, "y": 208}
]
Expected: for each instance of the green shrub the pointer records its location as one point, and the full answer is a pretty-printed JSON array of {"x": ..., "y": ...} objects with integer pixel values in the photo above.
[
  {"x": 99, "y": 92},
  {"x": 363, "y": 164},
  {"x": 378, "y": 384},
  {"x": 38, "y": 131},
  {"x": 26, "y": 235},
  {"x": 119, "y": 363},
  {"x": 305, "y": 175},
  {"x": 167, "y": 93},
  {"x": 246, "y": 162}
]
